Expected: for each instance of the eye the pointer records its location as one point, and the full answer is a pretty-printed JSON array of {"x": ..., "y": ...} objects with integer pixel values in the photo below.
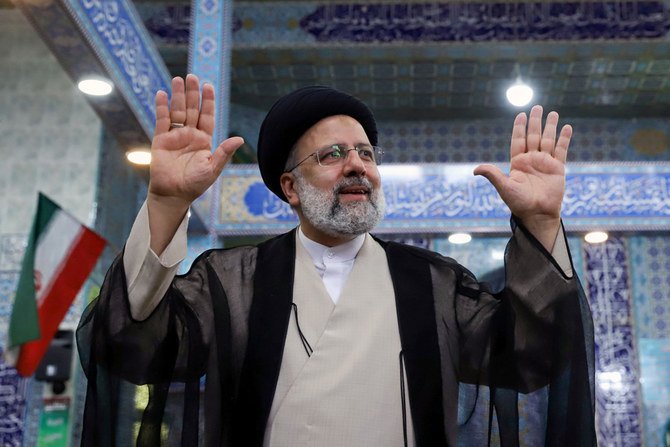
[
  {"x": 331, "y": 153},
  {"x": 366, "y": 152}
]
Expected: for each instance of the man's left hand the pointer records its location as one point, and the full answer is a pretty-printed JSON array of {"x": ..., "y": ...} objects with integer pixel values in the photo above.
[{"x": 534, "y": 189}]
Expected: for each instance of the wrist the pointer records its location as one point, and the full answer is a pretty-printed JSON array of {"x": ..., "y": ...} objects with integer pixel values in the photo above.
[
  {"x": 543, "y": 228},
  {"x": 165, "y": 216},
  {"x": 175, "y": 206},
  {"x": 540, "y": 221}
]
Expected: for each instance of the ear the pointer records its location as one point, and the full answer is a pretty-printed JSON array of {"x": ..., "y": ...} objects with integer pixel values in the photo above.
[{"x": 287, "y": 182}]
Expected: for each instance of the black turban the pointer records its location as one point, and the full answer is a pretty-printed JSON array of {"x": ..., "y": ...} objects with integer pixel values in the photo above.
[{"x": 291, "y": 116}]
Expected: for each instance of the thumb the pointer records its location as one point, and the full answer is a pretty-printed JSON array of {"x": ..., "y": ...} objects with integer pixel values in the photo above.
[
  {"x": 493, "y": 174},
  {"x": 224, "y": 152}
]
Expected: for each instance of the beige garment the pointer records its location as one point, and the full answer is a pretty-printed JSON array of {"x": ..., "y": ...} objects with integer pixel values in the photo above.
[
  {"x": 348, "y": 392},
  {"x": 148, "y": 276}
]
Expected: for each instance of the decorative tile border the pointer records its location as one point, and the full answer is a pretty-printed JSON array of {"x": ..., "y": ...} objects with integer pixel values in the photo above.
[
  {"x": 91, "y": 37},
  {"x": 116, "y": 33},
  {"x": 209, "y": 57},
  {"x": 316, "y": 22},
  {"x": 428, "y": 198},
  {"x": 618, "y": 401},
  {"x": 484, "y": 22}
]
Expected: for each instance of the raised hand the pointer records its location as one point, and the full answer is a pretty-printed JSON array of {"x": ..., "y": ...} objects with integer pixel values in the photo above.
[
  {"x": 534, "y": 189},
  {"x": 182, "y": 164}
]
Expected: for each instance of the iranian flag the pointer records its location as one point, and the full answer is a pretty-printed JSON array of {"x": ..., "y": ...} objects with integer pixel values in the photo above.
[{"x": 60, "y": 255}]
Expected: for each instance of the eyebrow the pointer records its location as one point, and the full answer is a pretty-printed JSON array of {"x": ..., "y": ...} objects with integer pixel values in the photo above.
[{"x": 345, "y": 144}]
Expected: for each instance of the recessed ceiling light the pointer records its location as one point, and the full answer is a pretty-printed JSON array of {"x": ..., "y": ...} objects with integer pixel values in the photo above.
[
  {"x": 519, "y": 94},
  {"x": 139, "y": 156},
  {"x": 95, "y": 86},
  {"x": 459, "y": 238},
  {"x": 595, "y": 237}
]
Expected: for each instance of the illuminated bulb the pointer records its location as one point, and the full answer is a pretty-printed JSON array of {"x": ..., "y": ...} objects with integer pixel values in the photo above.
[
  {"x": 460, "y": 238},
  {"x": 95, "y": 86},
  {"x": 519, "y": 94},
  {"x": 139, "y": 156},
  {"x": 595, "y": 237}
]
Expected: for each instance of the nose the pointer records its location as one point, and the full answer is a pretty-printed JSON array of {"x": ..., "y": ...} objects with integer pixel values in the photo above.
[{"x": 353, "y": 165}]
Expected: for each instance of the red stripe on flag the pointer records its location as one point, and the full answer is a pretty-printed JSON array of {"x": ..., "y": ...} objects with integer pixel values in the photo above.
[{"x": 78, "y": 265}]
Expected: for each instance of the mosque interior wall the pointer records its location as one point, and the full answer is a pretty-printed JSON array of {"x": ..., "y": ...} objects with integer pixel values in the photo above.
[{"x": 53, "y": 142}]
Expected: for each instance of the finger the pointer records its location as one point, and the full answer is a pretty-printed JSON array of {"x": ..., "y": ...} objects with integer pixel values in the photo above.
[
  {"x": 534, "y": 129},
  {"x": 561, "y": 151},
  {"x": 206, "y": 120},
  {"x": 518, "y": 143},
  {"x": 493, "y": 174},
  {"x": 192, "y": 100},
  {"x": 549, "y": 135},
  {"x": 178, "y": 102},
  {"x": 225, "y": 152},
  {"x": 162, "y": 113}
]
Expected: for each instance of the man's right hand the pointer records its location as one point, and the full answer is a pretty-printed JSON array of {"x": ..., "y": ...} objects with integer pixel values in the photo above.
[{"x": 183, "y": 166}]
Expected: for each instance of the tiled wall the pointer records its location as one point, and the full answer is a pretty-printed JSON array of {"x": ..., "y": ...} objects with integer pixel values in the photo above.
[
  {"x": 449, "y": 141},
  {"x": 488, "y": 140},
  {"x": 50, "y": 143},
  {"x": 50, "y": 136},
  {"x": 608, "y": 285},
  {"x": 649, "y": 266},
  {"x": 626, "y": 280}
]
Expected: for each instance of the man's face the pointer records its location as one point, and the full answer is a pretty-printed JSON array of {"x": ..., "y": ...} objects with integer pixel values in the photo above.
[{"x": 338, "y": 202}]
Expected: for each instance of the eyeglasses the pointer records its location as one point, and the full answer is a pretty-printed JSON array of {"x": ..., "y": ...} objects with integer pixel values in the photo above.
[{"x": 337, "y": 153}]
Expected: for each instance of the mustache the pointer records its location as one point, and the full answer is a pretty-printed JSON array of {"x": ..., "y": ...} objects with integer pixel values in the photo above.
[{"x": 353, "y": 181}]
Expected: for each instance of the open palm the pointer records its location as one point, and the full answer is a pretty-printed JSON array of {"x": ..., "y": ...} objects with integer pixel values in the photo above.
[
  {"x": 534, "y": 188},
  {"x": 182, "y": 163}
]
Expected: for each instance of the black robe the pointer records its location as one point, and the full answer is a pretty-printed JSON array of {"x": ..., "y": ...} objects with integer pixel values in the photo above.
[{"x": 227, "y": 319}]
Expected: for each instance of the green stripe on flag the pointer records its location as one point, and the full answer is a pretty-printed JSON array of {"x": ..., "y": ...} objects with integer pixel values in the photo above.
[{"x": 24, "y": 323}]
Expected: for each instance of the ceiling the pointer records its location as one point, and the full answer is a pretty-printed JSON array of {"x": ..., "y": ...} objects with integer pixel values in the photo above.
[{"x": 443, "y": 59}]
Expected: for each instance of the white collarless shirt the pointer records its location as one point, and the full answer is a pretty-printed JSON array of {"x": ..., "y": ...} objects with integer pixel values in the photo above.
[{"x": 333, "y": 264}]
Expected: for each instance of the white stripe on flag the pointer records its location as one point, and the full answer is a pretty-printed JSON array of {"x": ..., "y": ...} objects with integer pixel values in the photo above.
[{"x": 53, "y": 248}]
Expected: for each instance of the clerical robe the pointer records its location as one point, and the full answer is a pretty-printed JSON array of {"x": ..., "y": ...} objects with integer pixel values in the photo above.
[{"x": 228, "y": 318}]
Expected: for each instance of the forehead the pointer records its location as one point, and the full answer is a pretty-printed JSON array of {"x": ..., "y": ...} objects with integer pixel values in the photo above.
[{"x": 330, "y": 130}]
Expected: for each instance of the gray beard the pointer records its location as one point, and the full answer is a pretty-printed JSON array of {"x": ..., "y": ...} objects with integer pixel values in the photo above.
[{"x": 327, "y": 214}]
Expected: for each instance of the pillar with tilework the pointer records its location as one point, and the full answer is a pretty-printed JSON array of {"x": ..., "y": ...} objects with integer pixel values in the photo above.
[{"x": 209, "y": 58}]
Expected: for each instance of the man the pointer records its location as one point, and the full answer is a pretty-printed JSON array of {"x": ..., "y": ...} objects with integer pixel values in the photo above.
[{"x": 326, "y": 336}]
